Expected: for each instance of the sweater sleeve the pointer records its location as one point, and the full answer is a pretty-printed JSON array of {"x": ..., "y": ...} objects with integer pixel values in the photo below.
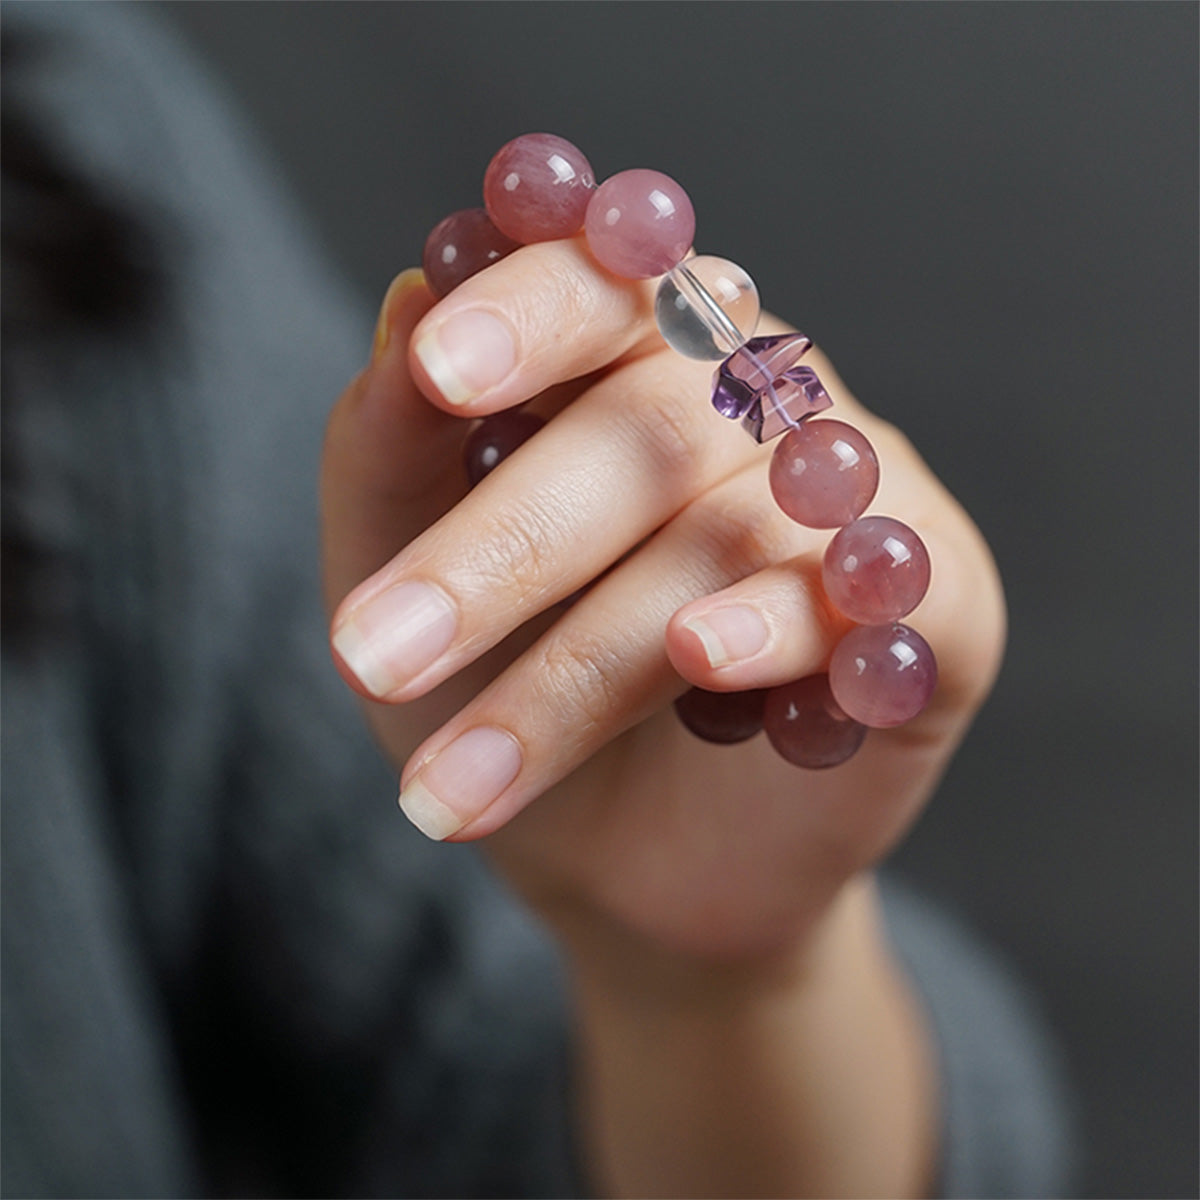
[{"x": 340, "y": 1007}]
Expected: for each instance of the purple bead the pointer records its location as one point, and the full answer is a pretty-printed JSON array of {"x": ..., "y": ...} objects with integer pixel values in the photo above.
[
  {"x": 883, "y": 675},
  {"x": 537, "y": 188},
  {"x": 461, "y": 246},
  {"x": 495, "y": 438},
  {"x": 721, "y": 717},
  {"x": 761, "y": 385},
  {"x": 639, "y": 224},
  {"x": 824, "y": 474},
  {"x": 807, "y": 727},
  {"x": 876, "y": 570}
]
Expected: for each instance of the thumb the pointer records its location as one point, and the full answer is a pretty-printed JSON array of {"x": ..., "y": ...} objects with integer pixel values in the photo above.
[{"x": 391, "y": 461}]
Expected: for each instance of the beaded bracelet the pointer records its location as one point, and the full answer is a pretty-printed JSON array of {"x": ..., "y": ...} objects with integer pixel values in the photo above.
[{"x": 640, "y": 224}]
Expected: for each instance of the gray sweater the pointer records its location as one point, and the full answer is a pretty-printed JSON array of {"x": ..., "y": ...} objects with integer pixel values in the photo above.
[{"x": 229, "y": 965}]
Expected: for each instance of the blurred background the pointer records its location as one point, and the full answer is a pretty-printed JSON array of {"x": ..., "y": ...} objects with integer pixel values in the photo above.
[{"x": 987, "y": 215}]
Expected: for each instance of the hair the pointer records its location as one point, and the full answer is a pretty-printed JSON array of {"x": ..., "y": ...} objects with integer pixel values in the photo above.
[{"x": 73, "y": 261}]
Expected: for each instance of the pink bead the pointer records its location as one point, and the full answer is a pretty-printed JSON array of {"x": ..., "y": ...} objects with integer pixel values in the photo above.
[
  {"x": 807, "y": 727},
  {"x": 721, "y": 717},
  {"x": 876, "y": 570},
  {"x": 824, "y": 474},
  {"x": 882, "y": 675},
  {"x": 537, "y": 188},
  {"x": 495, "y": 438},
  {"x": 461, "y": 246},
  {"x": 639, "y": 224}
]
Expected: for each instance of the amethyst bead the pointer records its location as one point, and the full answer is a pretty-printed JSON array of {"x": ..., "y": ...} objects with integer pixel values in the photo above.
[
  {"x": 537, "y": 188},
  {"x": 806, "y": 725},
  {"x": 461, "y": 246},
  {"x": 639, "y": 224},
  {"x": 824, "y": 474},
  {"x": 721, "y": 717},
  {"x": 762, "y": 385},
  {"x": 495, "y": 438},
  {"x": 882, "y": 675},
  {"x": 876, "y": 570}
]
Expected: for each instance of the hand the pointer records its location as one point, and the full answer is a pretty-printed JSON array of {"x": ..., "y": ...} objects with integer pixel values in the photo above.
[{"x": 597, "y": 804}]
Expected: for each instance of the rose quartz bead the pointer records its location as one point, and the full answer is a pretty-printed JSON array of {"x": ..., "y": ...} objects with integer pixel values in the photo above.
[
  {"x": 824, "y": 474},
  {"x": 639, "y": 224},
  {"x": 807, "y": 727},
  {"x": 537, "y": 188},
  {"x": 721, "y": 717},
  {"x": 876, "y": 570},
  {"x": 882, "y": 675},
  {"x": 495, "y": 438},
  {"x": 461, "y": 246}
]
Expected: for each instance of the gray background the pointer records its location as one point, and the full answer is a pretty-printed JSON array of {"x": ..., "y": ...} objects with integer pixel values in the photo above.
[{"x": 987, "y": 215}]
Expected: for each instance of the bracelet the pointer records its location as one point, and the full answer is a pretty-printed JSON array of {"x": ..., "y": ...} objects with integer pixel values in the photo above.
[{"x": 640, "y": 224}]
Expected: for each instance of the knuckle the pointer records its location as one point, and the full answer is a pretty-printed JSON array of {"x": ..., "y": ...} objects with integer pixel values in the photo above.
[
  {"x": 580, "y": 682},
  {"x": 516, "y": 552},
  {"x": 666, "y": 435}
]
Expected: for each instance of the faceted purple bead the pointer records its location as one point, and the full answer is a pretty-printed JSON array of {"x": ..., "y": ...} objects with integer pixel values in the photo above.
[
  {"x": 721, "y": 717},
  {"x": 537, "y": 188},
  {"x": 461, "y": 246},
  {"x": 876, "y": 570},
  {"x": 806, "y": 725},
  {"x": 639, "y": 224},
  {"x": 824, "y": 474},
  {"x": 882, "y": 675},
  {"x": 761, "y": 385},
  {"x": 495, "y": 438}
]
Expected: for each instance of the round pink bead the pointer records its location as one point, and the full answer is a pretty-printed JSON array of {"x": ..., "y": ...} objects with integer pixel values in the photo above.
[
  {"x": 824, "y": 474},
  {"x": 807, "y": 727},
  {"x": 876, "y": 570},
  {"x": 495, "y": 438},
  {"x": 882, "y": 675},
  {"x": 460, "y": 246},
  {"x": 639, "y": 224},
  {"x": 537, "y": 188},
  {"x": 721, "y": 717}
]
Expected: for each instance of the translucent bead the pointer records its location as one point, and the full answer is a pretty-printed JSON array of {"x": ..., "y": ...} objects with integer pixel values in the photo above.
[
  {"x": 461, "y": 246},
  {"x": 763, "y": 385},
  {"x": 824, "y": 474},
  {"x": 639, "y": 224},
  {"x": 721, "y": 717},
  {"x": 537, "y": 188},
  {"x": 706, "y": 307},
  {"x": 494, "y": 439},
  {"x": 876, "y": 570},
  {"x": 882, "y": 675},
  {"x": 805, "y": 724}
]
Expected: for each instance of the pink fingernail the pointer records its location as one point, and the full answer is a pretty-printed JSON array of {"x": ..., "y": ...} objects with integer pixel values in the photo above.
[
  {"x": 729, "y": 635},
  {"x": 395, "y": 635},
  {"x": 461, "y": 781},
  {"x": 467, "y": 354}
]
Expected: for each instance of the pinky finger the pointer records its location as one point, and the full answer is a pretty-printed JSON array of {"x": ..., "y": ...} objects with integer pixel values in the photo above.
[{"x": 767, "y": 629}]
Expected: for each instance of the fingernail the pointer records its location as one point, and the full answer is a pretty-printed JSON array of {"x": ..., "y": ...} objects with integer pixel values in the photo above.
[
  {"x": 729, "y": 635},
  {"x": 461, "y": 781},
  {"x": 405, "y": 282},
  {"x": 395, "y": 635},
  {"x": 467, "y": 354}
]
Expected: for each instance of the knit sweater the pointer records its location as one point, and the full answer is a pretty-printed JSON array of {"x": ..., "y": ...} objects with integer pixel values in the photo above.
[{"x": 229, "y": 965}]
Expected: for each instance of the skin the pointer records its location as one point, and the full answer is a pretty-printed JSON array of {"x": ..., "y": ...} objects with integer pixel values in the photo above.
[{"x": 742, "y": 1026}]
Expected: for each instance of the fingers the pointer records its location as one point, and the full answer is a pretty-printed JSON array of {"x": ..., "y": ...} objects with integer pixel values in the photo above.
[
  {"x": 601, "y": 477},
  {"x": 770, "y": 628},
  {"x": 387, "y": 467},
  {"x": 542, "y": 315},
  {"x": 601, "y": 669}
]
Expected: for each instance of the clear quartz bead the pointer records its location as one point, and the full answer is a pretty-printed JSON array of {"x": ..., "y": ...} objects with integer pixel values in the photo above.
[{"x": 706, "y": 307}]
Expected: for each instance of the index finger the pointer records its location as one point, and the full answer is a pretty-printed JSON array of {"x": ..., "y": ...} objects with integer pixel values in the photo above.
[{"x": 543, "y": 315}]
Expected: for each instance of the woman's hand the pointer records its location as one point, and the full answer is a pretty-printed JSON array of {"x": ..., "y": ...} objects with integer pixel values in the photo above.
[
  {"x": 547, "y": 726},
  {"x": 742, "y": 1028}
]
